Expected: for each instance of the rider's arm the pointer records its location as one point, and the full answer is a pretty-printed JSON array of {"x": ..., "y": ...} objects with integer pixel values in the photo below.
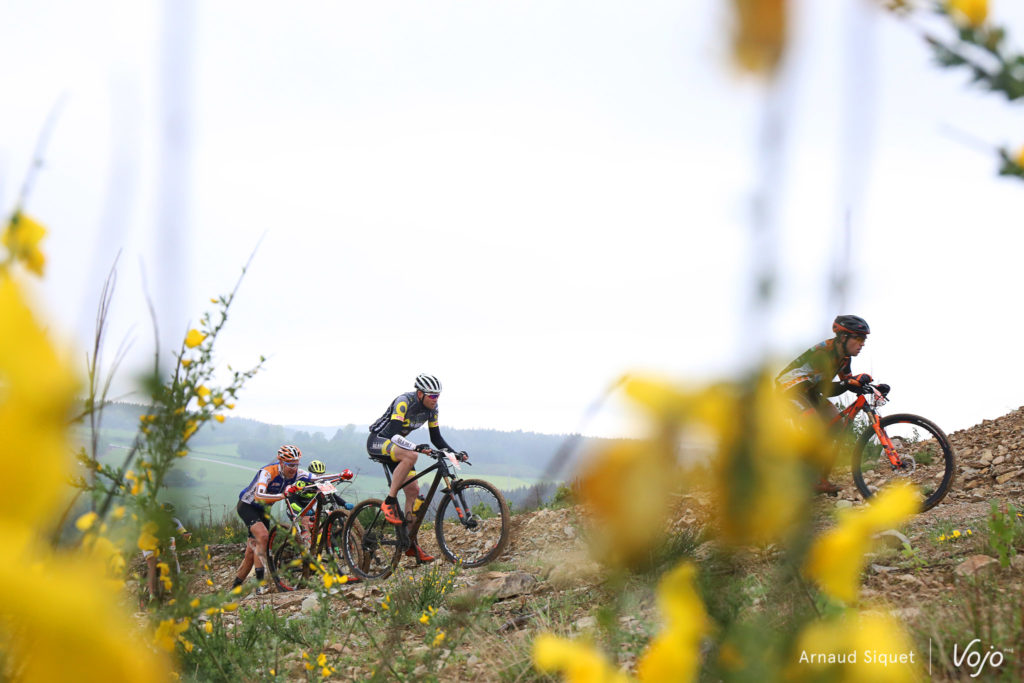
[
  {"x": 437, "y": 439},
  {"x": 260, "y": 494},
  {"x": 835, "y": 388}
]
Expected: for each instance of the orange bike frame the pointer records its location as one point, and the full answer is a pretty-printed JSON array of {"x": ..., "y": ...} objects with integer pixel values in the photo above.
[{"x": 846, "y": 418}]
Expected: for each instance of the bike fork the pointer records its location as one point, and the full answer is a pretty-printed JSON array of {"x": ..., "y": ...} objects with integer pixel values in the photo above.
[{"x": 883, "y": 438}]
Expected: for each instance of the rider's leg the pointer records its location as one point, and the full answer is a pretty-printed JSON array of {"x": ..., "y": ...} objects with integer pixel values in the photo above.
[
  {"x": 151, "y": 573},
  {"x": 405, "y": 460}
]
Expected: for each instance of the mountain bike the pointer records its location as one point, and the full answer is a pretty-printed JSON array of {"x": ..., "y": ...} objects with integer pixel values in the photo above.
[
  {"x": 901, "y": 447},
  {"x": 295, "y": 550},
  {"x": 471, "y": 522}
]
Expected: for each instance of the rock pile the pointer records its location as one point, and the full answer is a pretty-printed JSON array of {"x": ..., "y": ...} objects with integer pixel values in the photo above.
[{"x": 990, "y": 457}]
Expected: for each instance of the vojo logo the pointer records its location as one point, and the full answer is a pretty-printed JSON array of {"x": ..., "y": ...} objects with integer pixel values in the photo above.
[{"x": 976, "y": 658}]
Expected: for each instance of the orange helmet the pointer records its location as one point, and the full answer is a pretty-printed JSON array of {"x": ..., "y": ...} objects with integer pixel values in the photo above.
[{"x": 289, "y": 454}]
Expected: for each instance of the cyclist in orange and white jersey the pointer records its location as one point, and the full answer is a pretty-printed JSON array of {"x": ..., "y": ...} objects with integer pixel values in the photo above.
[
  {"x": 808, "y": 380},
  {"x": 272, "y": 483}
]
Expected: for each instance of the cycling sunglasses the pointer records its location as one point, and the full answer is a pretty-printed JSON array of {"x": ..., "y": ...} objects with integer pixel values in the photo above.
[{"x": 433, "y": 397}]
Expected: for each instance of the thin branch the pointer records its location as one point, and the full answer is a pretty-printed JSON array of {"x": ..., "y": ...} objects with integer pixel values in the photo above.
[{"x": 37, "y": 156}]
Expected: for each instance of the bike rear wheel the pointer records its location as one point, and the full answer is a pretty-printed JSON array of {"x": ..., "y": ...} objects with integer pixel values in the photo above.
[
  {"x": 927, "y": 456},
  {"x": 473, "y": 523},
  {"x": 372, "y": 545},
  {"x": 335, "y": 526}
]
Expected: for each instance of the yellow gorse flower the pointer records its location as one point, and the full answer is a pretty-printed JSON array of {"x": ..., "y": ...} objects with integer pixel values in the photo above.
[
  {"x": 578, "y": 662},
  {"x": 147, "y": 538},
  {"x": 855, "y": 632},
  {"x": 194, "y": 338},
  {"x": 22, "y": 238},
  {"x": 674, "y": 655},
  {"x": 969, "y": 12},
  {"x": 167, "y": 633},
  {"x": 54, "y": 610},
  {"x": 761, "y": 457},
  {"x": 759, "y": 38},
  {"x": 85, "y": 522},
  {"x": 836, "y": 558}
]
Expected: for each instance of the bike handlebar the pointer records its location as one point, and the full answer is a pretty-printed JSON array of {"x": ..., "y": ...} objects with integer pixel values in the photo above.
[{"x": 437, "y": 455}]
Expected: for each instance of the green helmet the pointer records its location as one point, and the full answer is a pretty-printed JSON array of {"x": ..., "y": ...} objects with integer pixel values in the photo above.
[{"x": 317, "y": 467}]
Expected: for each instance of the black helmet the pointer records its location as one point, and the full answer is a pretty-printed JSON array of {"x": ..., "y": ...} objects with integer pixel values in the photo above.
[{"x": 851, "y": 324}]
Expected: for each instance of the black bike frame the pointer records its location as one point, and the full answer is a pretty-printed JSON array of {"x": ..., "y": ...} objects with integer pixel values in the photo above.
[{"x": 413, "y": 525}]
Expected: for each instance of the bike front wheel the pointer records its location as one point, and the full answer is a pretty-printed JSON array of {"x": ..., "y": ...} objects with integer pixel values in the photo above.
[
  {"x": 926, "y": 457},
  {"x": 285, "y": 559},
  {"x": 371, "y": 544},
  {"x": 473, "y": 523}
]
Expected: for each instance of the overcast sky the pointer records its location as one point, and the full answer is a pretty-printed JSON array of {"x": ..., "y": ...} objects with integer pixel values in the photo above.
[{"x": 527, "y": 199}]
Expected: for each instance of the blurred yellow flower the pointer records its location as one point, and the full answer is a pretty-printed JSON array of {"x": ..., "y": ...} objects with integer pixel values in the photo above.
[
  {"x": 674, "y": 655},
  {"x": 969, "y": 12},
  {"x": 624, "y": 487},
  {"x": 763, "y": 454},
  {"x": 759, "y": 36},
  {"x": 190, "y": 428},
  {"x": 218, "y": 418},
  {"x": 85, "y": 522},
  {"x": 836, "y": 558},
  {"x": 194, "y": 338},
  {"x": 438, "y": 639},
  {"x": 208, "y": 627},
  {"x": 186, "y": 362},
  {"x": 859, "y": 632},
  {"x": 22, "y": 238},
  {"x": 147, "y": 539},
  {"x": 578, "y": 662},
  {"x": 167, "y": 633},
  {"x": 321, "y": 660}
]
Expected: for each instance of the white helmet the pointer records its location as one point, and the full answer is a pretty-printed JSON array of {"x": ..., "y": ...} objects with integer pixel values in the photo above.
[{"x": 428, "y": 384}]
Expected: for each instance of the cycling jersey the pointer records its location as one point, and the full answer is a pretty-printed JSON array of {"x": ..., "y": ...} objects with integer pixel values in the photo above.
[
  {"x": 405, "y": 414},
  {"x": 269, "y": 484},
  {"x": 813, "y": 370}
]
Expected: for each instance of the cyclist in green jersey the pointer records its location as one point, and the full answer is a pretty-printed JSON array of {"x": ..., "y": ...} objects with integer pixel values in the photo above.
[{"x": 808, "y": 380}]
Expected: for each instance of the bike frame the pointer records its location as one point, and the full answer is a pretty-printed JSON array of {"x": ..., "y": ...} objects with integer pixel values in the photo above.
[
  {"x": 846, "y": 416},
  {"x": 316, "y": 540},
  {"x": 445, "y": 471}
]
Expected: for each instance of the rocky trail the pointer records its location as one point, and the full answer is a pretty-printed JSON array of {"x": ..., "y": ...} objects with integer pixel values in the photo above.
[{"x": 547, "y": 558}]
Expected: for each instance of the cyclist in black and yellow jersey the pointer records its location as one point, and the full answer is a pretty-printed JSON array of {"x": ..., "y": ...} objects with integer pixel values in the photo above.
[{"x": 387, "y": 444}]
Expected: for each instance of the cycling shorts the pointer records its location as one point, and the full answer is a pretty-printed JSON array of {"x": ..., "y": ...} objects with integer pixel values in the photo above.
[
  {"x": 382, "y": 450},
  {"x": 251, "y": 514}
]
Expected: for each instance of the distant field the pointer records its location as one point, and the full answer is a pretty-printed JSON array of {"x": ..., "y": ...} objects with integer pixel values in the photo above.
[{"x": 221, "y": 482}]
